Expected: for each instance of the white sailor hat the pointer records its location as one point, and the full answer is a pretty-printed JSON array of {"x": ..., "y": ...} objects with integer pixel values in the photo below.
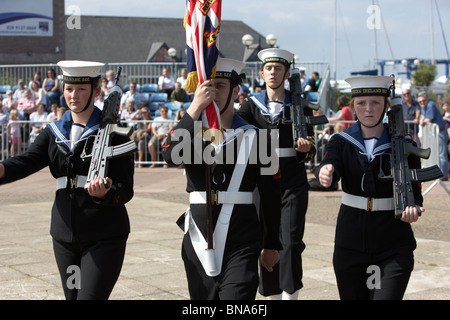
[
  {"x": 224, "y": 67},
  {"x": 370, "y": 85},
  {"x": 276, "y": 55},
  {"x": 80, "y": 72},
  {"x": 230, "y": 69}
]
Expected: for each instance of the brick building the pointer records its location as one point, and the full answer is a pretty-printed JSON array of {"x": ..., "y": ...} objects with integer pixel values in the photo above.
[{"x": 118, "y": 39}]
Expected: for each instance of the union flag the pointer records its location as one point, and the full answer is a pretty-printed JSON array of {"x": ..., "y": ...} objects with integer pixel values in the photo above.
[{"x": 202, "y": 24}]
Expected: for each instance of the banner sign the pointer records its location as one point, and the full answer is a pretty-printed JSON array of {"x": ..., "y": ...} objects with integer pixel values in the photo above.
[{"x": 29, "y": 18}]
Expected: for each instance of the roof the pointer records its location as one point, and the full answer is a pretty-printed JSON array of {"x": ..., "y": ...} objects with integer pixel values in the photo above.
[{"x": 130, "y": 39}]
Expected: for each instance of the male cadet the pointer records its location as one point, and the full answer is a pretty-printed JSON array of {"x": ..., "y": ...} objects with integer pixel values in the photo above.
[
  {"x": 237, "y": 231},
  {"x": 265, "y": 110}
]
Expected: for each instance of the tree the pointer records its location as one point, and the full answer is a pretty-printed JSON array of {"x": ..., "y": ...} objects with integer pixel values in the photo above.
[{"x": 424, "y": 75}]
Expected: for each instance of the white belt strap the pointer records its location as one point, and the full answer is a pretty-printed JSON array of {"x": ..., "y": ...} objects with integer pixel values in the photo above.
[
  {"x": 211, "y": 260},
  {"x": 286, "y": 152},
  {"x": 77, "y": 182},
  {"x": 222, "y": 197},
  {"x": 368, "y": 204}
]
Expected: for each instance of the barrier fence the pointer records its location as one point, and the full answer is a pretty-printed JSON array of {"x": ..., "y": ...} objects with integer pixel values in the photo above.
[
  {"x": 27, "y": 138},
  {"x": 143, "y": 156},
  {"x": 141, "y": 73}
]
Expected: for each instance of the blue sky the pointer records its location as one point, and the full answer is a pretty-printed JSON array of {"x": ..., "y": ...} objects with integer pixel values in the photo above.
[{"x": 305, "y": 27}]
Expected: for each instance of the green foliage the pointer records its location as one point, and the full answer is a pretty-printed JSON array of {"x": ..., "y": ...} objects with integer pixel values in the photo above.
[{"x": 424, "y": 75}]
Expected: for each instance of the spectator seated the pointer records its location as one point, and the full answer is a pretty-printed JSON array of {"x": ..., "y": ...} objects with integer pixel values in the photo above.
[
  {"x": 127, "y": 88},
  {"x": 169, "y": 114}
]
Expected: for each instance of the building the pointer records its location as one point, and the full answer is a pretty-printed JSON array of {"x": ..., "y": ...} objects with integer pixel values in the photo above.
[
  {"x": 24, "y": 44},
  {"x": 124, "y": 39},
  {"x": 115, "y": 39}
]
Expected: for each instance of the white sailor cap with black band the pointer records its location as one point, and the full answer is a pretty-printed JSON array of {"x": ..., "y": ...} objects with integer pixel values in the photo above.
[
  {"x": 276, "y": 55},
  {"x": 80, "y": 72},
  {"x": 370, "y": 85},
  {"x": 230, "y": 69}
]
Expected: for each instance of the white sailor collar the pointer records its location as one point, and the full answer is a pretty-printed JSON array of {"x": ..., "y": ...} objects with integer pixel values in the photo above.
[
  {"x": 61, "y": 128},
  {"x": 353, "y": 136},
  {"x": 260, "y": 100}
]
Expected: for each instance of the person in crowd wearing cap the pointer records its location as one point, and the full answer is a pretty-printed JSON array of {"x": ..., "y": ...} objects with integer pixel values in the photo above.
[
  {"x": 237, "y": 231},
  {"x": 304, "y": 80},
  {"x": 431, "y": 114},
  {"x": 265, "y": 110},
  {"x": 89, "y": 227},
  {"x": 373, "y": 252}
]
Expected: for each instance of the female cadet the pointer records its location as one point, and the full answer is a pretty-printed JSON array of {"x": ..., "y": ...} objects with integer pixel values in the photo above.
[
  {"x": 265, "y": 110},
  {"x": 237, "y": 233},
  {"x": 89, "y": 227},
  {"x": 373, "y": 254}
]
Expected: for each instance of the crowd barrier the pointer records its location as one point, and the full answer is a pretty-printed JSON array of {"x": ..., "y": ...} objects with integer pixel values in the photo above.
[
  {"x": 430, "y": 139},
  {"x": 5, "y": 143}
]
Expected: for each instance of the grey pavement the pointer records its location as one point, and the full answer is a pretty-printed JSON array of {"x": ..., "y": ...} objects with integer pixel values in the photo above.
[{"x": 153, "y": 269}]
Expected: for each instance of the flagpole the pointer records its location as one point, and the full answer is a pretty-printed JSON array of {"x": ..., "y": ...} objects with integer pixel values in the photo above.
[{"x": 209, "y": 223}]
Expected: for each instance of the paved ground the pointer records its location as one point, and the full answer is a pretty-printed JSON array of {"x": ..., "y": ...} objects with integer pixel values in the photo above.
[{"x": 153, "y": 269}]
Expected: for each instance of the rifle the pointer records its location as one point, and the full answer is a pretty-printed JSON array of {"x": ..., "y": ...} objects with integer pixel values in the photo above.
[
  {"x": 294, "y": 113},
  {"x": 98, "y": 147},
  {"x": 401, "y": 176}
]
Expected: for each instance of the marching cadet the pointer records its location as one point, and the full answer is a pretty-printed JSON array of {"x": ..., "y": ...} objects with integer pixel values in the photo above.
[
  {"x": 265, "y": 110},
  {"x": 237, "y": 236},
  {"x": 373, "y": 253},
  {"x": 89, "y": 227}
]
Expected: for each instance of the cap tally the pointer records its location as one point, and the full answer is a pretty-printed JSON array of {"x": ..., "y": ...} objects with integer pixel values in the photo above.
[
  {"x": 370, "y": 85},
  {"x": 225, "y": 67},
  {"x": 276, "y": 55},
  {"x": 80, "y": 72}
]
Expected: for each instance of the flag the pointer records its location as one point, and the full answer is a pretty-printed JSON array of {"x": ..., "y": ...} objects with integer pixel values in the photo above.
[{"x": 202, "y": 24}]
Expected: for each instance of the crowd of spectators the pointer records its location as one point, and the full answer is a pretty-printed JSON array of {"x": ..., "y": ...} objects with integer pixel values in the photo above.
[
  {"x": 26, "y": 109},
  {"x": 41, "y": 100}
]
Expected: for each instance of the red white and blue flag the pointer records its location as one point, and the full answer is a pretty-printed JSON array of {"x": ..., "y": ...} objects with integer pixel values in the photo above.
[{"x": 202, "y": 24}]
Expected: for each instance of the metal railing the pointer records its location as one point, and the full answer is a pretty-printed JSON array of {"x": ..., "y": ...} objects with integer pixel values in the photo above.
[
  {"x": 26, "y": 139},
  {"x": 320, "y": 138},
  {"x": 141, "y": 73}
]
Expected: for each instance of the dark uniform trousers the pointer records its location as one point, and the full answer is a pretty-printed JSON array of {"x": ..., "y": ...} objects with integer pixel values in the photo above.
[
  {"x": 99, "y": 264},
  {"x": 352, "y": 273},
  {"x": 288, "y": 273},
  {"x": 237, "y": 281}
]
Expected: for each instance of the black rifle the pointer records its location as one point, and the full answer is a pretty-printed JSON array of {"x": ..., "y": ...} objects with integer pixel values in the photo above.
[
  {"x": 98, "y": 147},
  {"x": 401, "y": 175},
  {"x": 294, "y": 113}
]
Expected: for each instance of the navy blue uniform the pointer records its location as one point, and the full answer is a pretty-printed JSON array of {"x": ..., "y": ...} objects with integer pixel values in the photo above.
[
  {"x": 287, "y": 275},
  {"x": 238, "y": 279},
  {"x": 369, "y": 238},
  {"x": 87, "y": 232}
]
